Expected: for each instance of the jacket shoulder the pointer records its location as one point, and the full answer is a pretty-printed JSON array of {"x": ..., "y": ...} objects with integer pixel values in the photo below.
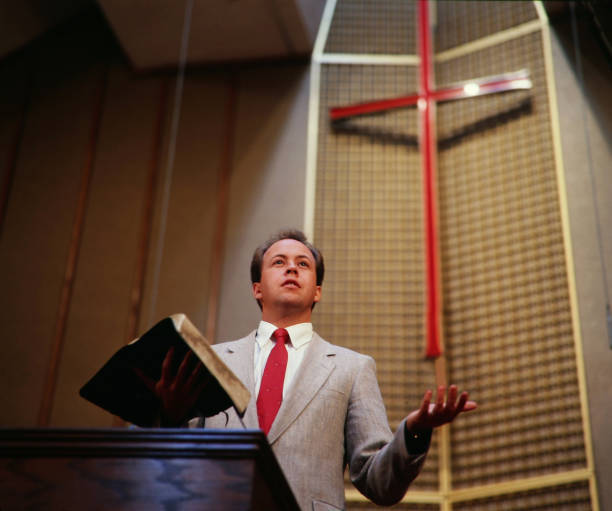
[
  {"x": 342, "y": 352},
  {"x": 233, "y": 345}
]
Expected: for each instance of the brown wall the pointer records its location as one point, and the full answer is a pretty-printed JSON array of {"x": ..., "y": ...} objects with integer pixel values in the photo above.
[{"x": 84, "y": 146}]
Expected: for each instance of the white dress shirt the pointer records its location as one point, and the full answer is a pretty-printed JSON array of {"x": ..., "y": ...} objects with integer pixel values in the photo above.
[{"x": 300, "y": 336}]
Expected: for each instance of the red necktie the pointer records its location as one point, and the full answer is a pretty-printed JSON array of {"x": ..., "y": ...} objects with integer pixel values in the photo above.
[{"x": 271, "y": 389}]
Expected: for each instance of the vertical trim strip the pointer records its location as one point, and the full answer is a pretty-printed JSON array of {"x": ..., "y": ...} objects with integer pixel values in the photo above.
[
  {"x": 313, "y": 120},
  {"x": 433, "y": 291},
  {"x": 445, "y": 474},
  {"x": 225, "y": 172},
  {"x": 541, "y": 13},
  {"x": 13, "y": 154},
  {"x": 569, "y": 258},
  {"x": 311, "y": 150},
  {"x": 324, "y": 27},
  {"x": 173, "y": 137},
  {"x": 73, "y": 256},
  {"x": 146, "y": 224}
]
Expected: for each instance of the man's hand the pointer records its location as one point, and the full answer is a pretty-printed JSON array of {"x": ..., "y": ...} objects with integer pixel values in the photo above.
[
  {"x": 178, "y": 393},
  {"x": 430, "y": 415}
]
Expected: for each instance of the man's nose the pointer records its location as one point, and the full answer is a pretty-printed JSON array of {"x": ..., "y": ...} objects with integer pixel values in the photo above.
[{"x": 292, "y": 267}]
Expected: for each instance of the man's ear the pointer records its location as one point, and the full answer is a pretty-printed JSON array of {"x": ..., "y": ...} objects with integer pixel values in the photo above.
[
  {"x": 317, "y": 295},
  {"x": 257, "y": 290}
]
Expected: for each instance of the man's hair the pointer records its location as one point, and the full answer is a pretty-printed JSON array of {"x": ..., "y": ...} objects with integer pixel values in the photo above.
[{"x": 286, "y": 234}]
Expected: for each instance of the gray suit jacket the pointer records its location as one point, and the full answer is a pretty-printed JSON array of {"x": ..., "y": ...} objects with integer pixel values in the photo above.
[{"x": 332, "y": 415}]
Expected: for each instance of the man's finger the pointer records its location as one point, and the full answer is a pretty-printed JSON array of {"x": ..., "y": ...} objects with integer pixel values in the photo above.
[
  {"x": 181, "y": 374},
  {"x": 166, "y": 372},
  {"x": 451, "y": 401},
  {"x": 452, "y": 394},
  {"x": 196, "y": 375},
  {"x": 461, "y": 404},
  {"x": 424, "y": 409},
  {"x": 197, "y": 389},
  {"x": 469, "y": 406},
  {"x": 150, "y": 383},
  {"x": 440, "y": 399}
]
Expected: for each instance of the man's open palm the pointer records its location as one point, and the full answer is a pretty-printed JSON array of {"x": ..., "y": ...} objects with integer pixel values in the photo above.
[{"x": 443, "y": 411}]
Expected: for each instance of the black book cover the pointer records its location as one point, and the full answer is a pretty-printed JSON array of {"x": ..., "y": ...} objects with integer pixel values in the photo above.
[{"x": 117, "y": 388}]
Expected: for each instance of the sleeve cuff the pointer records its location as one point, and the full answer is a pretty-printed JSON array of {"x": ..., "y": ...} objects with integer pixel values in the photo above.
[{"x": 417, "y": 442}]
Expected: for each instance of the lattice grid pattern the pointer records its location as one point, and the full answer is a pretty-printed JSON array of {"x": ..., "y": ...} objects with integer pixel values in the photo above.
[
  {"x": 507, "y": 315},
  {"x": 568, "y": 497},
  {"x": 372, "y": 26},
  {"x": 368, "y": 223},
  {"x": 460, "y": 22}
]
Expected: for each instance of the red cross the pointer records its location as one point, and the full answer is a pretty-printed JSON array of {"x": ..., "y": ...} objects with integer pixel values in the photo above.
[{"x": 425, "y": 99}]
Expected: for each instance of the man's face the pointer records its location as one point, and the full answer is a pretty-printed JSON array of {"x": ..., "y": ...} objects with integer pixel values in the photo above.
[{"x": 288, "y": 278}]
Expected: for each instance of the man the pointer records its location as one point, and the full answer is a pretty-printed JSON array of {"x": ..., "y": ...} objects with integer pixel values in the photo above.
[{"x": 329, "y": 411}]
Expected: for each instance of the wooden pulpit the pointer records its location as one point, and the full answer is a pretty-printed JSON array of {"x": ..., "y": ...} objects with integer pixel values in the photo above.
[{"x": 140, "y": 469}]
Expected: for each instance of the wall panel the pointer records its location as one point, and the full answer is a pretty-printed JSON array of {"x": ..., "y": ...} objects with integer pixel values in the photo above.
[
  {"x": 184, "y": 267},
  {"x": 39, "y": 221},
  {"x": 108, "y": 256},
  {"x": 586, "y": 133},
  {"x": 16, "y": 77},
  {"x": 267, "y": 181},
  {"x": 511, "y": 334},
  {"x": 77, "y": 72}
]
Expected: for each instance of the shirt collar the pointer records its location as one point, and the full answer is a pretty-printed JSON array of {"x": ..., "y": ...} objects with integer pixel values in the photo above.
[{"x": 299, "y": 334}]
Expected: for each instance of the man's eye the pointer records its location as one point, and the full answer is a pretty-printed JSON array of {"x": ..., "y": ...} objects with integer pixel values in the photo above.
[
  {"x": 304, "y": 263},
  {"x": 278, "y": 261}
]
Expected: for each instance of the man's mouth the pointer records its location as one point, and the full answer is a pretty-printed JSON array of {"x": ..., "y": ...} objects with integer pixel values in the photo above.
[{"x": 290, "y": 283}]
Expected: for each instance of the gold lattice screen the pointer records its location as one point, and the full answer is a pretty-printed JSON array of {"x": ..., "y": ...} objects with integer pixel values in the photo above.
[{"x": 509, "y": 333}]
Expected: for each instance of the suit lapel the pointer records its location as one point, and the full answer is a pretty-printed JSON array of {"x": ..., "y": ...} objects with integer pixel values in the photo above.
[
  {"x": 312, "y": 374},
  {"x": 240, "y": 356}
]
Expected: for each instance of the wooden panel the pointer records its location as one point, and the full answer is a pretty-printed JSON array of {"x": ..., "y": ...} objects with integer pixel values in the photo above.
[
  {"x": 123, "y": 483},
  {"x": 184, "y": 275},
  {"x": 100, "y": 304},
  {"x": 267, "y": 184},
  {"x": 141, "y": 470},
  {"x": 39, "y": 220}
]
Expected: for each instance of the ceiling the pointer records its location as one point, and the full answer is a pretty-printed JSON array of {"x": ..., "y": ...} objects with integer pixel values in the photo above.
[
  {"x": 23, "y": 20},
  {"x": 150, "y": 31}
]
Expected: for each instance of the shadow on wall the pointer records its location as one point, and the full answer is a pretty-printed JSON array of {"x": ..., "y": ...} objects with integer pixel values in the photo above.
[{"x": 446, "y": 141}]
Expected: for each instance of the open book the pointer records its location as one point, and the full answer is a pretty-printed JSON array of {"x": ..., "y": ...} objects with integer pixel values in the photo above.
[{"x": 117, "y": 388}]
